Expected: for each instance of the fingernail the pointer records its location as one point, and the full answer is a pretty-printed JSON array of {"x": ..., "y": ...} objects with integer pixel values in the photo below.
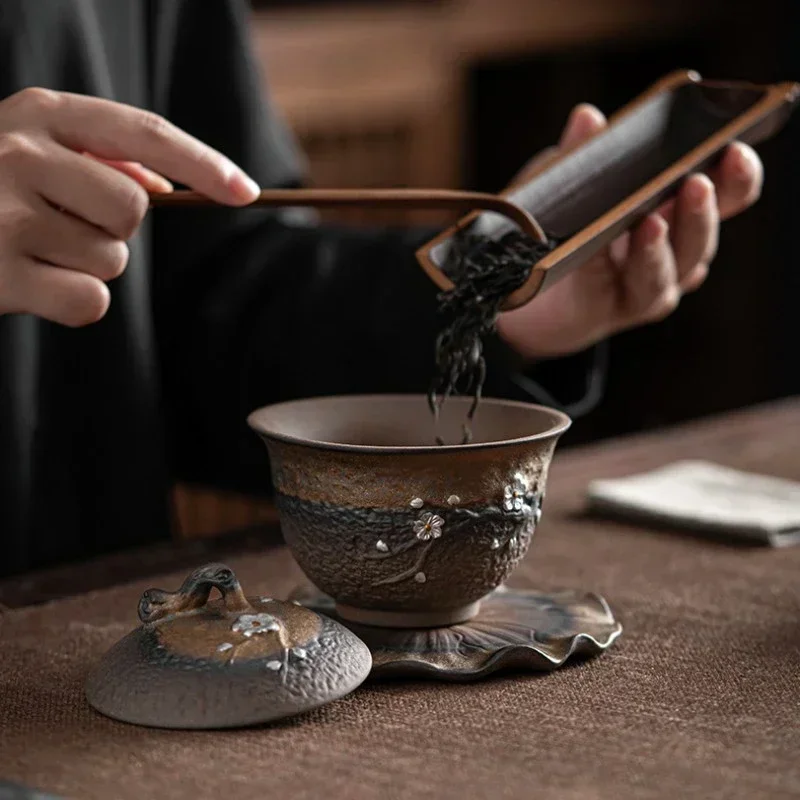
[
  {"x": 698, "y": 191},
  {"x": 244, "y": 186},
  {"x": 591, "y": 112},
  {"x": 583, "y": 121},
  {"x": 743, "y": 163},
  {"x": 160, "y": 184},
  {"x": 694, "y": 279},
  {"x": 658, "y": 228}
]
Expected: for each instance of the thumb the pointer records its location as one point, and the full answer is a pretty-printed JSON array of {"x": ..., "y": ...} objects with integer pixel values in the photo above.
[{"x": 583, "y": 123}]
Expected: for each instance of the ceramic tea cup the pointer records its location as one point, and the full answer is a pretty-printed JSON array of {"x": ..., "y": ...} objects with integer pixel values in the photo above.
[{"x": 400, "y": 531}]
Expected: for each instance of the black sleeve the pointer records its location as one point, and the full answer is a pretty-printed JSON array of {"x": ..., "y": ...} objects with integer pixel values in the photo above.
[{"x": 251, "y": 307}]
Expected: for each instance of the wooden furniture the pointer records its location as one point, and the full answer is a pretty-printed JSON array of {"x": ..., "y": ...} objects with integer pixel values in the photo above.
[
  {"x": 372, "y": 99},
  {"x": 697, "y": 698}
]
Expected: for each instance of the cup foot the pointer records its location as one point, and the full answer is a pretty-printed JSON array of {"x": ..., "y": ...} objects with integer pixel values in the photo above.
[{"x": 408, "y": 619}]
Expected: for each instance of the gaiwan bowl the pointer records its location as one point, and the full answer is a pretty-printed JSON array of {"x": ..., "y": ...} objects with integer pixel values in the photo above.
[{"x": 399, "y": 531}]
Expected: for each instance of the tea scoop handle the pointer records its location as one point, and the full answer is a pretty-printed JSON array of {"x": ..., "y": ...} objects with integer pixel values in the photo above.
[
  {"x": 398, "y": 199},
  {"x": 156, "y": 604}
]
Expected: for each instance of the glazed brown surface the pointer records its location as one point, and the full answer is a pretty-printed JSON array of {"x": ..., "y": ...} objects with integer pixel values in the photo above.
[
  {"x": 365, "y": 478},
  {"x": 368, "y": 481},
  {"x": 352, "y": 516},
  {"x": 185, "y": 637},
  {"x": 698, "y": 698}
]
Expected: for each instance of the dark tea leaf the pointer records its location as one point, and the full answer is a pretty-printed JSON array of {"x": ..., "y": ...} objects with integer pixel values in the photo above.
[{"x": 484, "y": 273}]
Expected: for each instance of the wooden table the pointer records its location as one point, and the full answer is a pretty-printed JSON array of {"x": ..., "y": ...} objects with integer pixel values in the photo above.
[{"x": 699, "y": 698}]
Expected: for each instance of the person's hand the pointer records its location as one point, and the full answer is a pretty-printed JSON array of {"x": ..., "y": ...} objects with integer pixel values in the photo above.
[
  {"x": 641, "y": 277},
  {"x": 74, "y": 189}
]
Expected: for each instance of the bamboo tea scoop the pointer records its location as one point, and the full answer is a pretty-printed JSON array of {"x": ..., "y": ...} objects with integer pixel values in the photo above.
[
  {"x": 586, "y": 196},
  {"x": 374, "y": 199}
]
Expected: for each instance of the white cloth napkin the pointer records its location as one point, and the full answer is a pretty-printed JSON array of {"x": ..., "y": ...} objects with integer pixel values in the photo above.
[{"x": 706, "y": 497}]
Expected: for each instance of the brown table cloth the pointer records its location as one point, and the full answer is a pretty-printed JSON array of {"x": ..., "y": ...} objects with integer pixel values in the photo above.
[{"x": 699, "y": 698}]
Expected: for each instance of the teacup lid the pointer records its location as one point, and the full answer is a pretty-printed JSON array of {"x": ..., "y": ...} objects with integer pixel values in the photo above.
[{"x": 226, "y": 663}]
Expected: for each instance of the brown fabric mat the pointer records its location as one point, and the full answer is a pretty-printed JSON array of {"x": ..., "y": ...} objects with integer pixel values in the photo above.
[{"x": 699, "y": 698}]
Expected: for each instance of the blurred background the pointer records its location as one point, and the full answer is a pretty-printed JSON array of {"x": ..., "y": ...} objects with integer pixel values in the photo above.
[{"x": 460, "y": 93}]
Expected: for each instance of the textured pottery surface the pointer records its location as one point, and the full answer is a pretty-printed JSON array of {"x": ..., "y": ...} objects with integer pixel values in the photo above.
[
  {"x": 400, "y": 531},
  {"x": 513, "y": 630},
  {"x": 232, "y": 662}
]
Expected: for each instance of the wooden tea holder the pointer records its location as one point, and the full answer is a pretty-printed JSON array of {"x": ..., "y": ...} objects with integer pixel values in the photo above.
[{"x": 587, "y": 195}]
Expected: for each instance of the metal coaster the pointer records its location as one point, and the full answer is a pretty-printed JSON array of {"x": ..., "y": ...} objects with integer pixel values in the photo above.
[{"x": 512, "y": 630}]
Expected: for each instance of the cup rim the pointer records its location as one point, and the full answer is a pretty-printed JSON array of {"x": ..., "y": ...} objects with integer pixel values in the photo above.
[{"x": 560, "y": 423}]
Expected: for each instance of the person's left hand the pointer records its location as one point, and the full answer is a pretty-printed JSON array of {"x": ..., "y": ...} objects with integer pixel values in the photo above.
[{"x": 641, "y": 277}]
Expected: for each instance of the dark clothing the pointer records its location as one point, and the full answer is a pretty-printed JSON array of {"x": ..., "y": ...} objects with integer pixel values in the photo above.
[{"x": 219, "y": 311}]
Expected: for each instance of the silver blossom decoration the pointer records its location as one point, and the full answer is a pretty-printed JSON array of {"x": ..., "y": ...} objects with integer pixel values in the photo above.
[
  {"x": 252, "y": 624},
  {"x": 514, "y": 494},
  {"x": 428, "y": 526}
]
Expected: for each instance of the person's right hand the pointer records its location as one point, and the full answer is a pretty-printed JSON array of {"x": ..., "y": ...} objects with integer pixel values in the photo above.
[{"x": 65, "y": 217}]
